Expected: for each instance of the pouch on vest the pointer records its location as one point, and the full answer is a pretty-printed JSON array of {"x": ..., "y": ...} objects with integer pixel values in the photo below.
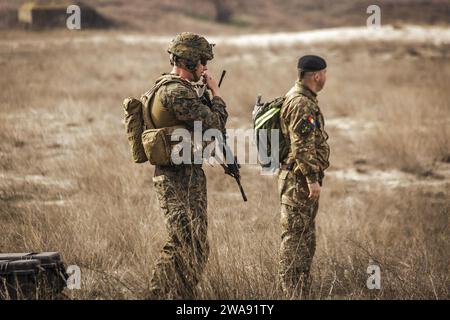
[
  {"x": 158, "y": 145},
  {"x": 157, "y": 141}
]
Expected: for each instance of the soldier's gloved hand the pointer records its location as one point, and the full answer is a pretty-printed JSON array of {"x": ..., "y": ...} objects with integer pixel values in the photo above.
[
  {"x": 211, "y": 84},
  {"x": 314, "y": 190}
]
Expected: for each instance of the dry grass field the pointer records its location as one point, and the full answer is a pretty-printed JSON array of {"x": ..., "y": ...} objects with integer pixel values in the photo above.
[{"x": 67, "y": 182}]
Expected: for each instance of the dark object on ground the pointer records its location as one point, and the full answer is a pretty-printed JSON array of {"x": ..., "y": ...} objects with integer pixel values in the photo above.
[
  {"x": 32, "y": 276},
  {"x": 47, "y": 14}
]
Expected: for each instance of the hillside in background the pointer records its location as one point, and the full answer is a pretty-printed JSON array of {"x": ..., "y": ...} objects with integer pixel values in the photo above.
[{"x": 168, "y": 16}]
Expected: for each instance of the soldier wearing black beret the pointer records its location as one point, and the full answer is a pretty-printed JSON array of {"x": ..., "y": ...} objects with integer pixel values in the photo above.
[
  {"x": 302, "y": 173},
  {"x": 311, "y": 63}
]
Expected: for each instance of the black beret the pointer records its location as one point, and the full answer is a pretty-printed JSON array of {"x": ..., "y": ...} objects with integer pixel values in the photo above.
[{"x": 311, "y": 63}]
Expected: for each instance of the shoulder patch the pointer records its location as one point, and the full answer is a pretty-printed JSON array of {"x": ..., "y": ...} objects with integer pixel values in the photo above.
[{"x": 306, "y": 125}]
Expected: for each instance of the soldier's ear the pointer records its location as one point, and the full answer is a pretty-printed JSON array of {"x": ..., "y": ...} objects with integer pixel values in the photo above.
[{"x": 316, "y": 76}]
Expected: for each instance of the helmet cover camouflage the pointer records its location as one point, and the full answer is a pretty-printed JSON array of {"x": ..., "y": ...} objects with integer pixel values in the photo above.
[{"x": 190, "y": 46}]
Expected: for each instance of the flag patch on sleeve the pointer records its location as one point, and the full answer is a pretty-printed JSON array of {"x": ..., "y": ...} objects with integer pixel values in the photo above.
[{"x": 306, "y": 126}]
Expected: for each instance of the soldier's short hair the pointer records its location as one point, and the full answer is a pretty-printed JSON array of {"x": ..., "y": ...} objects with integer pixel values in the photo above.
[{"x": 302, "y": 74}]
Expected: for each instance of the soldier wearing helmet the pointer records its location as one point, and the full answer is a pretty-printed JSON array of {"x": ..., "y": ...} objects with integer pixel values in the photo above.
[
  {"x": 181, "y": 189},
  {"x": 189, "y": 49}
]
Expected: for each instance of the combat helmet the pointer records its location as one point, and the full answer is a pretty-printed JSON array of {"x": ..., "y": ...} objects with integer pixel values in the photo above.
[{"x": 192, "y": 47}]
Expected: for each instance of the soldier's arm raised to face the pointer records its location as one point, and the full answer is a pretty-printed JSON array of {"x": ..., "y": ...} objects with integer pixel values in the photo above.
[
  {"x": 188, "y": 107},
  {"x": 303, "y": 125}
]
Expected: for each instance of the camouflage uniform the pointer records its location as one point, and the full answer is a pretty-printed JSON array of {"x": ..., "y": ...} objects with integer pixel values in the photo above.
[
  {"x": 181, "y": 191},
  {"x": 302, "y": 123}
]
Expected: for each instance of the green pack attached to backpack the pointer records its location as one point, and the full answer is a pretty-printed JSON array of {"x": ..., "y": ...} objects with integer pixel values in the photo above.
[{"x": 266, "y": 126}]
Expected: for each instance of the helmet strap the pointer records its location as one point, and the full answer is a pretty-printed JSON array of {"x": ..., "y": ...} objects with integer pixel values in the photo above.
[{"x": 189, "y": 65}]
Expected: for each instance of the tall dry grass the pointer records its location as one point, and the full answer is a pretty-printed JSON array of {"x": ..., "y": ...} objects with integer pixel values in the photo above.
[{"x": 68, "y": 183}]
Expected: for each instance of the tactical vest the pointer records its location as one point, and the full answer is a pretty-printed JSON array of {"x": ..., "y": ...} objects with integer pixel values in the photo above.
[
  {"x": 150, "y": 125},
  {"x": 155, "y": 114}
]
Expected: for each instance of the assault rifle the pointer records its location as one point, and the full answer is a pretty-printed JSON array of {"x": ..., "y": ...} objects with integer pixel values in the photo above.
[{"x": 231, "y": 169}]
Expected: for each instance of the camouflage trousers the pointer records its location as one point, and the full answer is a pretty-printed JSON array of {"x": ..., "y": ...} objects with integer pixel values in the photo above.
[
  {"x": 298, "y": 239},
  {"x": 181, "y": 192}
]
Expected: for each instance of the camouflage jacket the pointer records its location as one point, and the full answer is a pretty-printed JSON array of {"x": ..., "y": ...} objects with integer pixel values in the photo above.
[
  {"x": 302, "y": 124},
  {"x": 181, "y": 100}
]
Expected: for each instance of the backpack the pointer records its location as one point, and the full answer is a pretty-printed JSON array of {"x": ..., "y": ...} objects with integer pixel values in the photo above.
[
  {"x": 134, "y": 125},
  {"x": 148, "y": 143},
  {"x": 266, "y": 119}
]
